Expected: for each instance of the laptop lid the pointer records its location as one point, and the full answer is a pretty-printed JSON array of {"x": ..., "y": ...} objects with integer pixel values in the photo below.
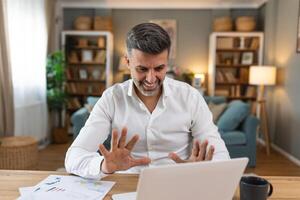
[{"x": 213, "y": 180}]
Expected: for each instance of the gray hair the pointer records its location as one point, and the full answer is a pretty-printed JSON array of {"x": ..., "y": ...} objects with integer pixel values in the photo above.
[{"x": 149, "y": 38}]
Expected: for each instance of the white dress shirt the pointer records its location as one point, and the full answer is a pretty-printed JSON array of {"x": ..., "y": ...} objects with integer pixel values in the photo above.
[{"x": 180, "y": 116}]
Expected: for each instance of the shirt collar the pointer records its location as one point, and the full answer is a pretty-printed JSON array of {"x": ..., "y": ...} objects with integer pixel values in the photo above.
[{"x": 165, "y": 93}]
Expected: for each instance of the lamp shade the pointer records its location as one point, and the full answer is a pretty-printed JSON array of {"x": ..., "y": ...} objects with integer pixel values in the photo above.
[{"x": 262, "y": 75}]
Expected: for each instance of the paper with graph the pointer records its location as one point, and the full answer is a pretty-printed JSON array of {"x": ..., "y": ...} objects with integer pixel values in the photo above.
[{"x": 66, "y": 188}]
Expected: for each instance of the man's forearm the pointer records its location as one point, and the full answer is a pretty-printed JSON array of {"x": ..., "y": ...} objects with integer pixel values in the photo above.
[{"x": 83, "y": 163}]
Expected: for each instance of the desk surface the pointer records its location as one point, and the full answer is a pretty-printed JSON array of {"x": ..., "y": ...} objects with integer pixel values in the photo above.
[{"x": 11, "y": 180}]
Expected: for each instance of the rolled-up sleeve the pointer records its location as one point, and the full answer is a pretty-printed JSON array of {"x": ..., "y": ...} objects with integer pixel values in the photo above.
[
  {"x": 82, "y": 158},
  {"x": 203, "y": 127}
]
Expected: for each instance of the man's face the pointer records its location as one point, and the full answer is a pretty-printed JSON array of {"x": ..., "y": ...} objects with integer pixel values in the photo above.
[{"x": 148, "y": 71}]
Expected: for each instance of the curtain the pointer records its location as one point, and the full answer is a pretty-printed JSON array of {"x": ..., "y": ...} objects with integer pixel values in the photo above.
[
  {"x": 28, "y": 37},
  {"x": 6, "y": 89}
]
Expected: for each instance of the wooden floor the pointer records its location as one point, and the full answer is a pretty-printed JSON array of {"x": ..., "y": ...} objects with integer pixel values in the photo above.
[{"x": 52, "y": 158}]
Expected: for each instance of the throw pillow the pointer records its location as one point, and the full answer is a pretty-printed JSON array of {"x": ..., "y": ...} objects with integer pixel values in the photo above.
[
  {"x": 217, "y": 110},
  {"x": 235, "y": 113}
]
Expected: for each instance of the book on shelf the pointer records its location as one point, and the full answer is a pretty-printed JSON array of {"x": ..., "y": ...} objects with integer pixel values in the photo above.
[
  {"x": 220, "y": 77},
  {"x": 232, "y": 91},
  {"x": 100, "y": 57},
  {"x": 222, "y": 92},
  {"x": 70, "y": 88},
  {"x": 230, "y": 76},
  {"x": 254, "y": 43},
  {"x": 68, "y": 73},
  {"x": 244, "y": 75},
  {"x": 238, "y": 91}
]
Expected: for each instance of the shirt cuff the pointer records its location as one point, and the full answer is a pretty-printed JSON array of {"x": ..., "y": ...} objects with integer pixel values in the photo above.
[{"x": 94, "y": 168}]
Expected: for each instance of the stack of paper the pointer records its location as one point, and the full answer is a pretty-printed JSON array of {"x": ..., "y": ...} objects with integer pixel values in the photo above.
[{"x": 65, "y": 188}]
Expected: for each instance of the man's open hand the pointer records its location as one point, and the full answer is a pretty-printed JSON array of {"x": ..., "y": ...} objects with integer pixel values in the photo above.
[
  {"x": 119, "y": 157},
  {"x": 198, "y": 153}
]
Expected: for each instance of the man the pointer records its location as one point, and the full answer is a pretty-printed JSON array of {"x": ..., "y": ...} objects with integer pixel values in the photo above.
[{"x": 154, "y": 120}]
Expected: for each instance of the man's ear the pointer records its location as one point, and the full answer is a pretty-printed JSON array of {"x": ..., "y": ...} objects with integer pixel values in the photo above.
[{"x": 127, "y": 60}]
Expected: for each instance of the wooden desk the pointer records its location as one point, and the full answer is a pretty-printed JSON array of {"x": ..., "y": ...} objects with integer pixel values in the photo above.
[{"x": 11, "y": 180}]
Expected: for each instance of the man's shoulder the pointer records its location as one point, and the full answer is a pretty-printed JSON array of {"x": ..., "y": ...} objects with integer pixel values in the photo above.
[
  {"x": 179, "y": 87},
  {"x": 118, "y": 89}
]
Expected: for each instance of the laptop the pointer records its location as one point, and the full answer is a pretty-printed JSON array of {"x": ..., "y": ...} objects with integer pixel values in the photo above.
[{"x": 213, "y": 180}]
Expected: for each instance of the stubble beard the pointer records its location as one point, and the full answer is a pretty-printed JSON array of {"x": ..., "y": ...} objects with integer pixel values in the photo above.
[{"x": 147, "y": 93}]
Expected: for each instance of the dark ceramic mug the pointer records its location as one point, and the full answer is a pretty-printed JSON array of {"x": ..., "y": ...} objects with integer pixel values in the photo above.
[{"x": 252, "y": 187}]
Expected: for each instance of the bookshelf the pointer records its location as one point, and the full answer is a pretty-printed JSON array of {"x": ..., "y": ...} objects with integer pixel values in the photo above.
[
  {"x": 88, "y": 71},
  {"x": 230, "y": 56}
]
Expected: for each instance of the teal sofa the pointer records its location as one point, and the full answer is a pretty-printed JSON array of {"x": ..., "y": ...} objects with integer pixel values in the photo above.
[{"x": 240, "y": 142}]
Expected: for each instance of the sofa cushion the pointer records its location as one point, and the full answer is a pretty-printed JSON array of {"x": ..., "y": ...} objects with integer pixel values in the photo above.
[
  {"x": 92, "y": 100},
  {"x": 217, "y": 110},
  {"x": 234, "y": 138},
  {"x": 235, "y": 113},
  {"x": 215, "y": 99}
]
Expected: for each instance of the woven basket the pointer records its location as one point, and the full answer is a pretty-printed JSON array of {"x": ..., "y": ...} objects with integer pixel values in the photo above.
[
  {"x": 245, "y": 24},
  {"x": 222, "y": 24},
  {"x": 103, "y": 23},
  {"x": 19, "y": 152},
  {"x": 83, "y": 23}
]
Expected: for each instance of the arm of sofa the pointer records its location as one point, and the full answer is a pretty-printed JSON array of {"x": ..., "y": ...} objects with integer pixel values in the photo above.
[
  {"x": 249, "y": 127},
  {"x": 78, "y": 120}
]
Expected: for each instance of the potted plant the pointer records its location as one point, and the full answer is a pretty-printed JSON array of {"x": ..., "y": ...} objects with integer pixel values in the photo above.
[{"x": 56, "y": 95}]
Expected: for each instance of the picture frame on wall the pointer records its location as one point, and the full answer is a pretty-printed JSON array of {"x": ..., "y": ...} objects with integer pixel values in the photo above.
[
  {"x": 247, "y": 58},
  {"x": 170, "y": 26}
]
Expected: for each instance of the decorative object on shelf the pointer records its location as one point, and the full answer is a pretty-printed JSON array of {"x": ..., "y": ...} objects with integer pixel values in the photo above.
[
  {"x": 103, "y": 23},
  {"x": 247, "y": 58},
  {"x": 83, "y": 74},
  {"x": 96, "y": 74},
  {"x": 101, "y": 42},
  {"x": 169, "y": 25},
  {"x": 263, "y": 76},
  {"x": 86, "y": 56},
  {"x": 83, "y": 23},
  {"x": 82, "y": 42},
  {"x": 245, "y": 24},
  {"x": 56, "y": 95},
  {"x": 73, "y": 57},
  {"x": 222, "y": 24},
  {"x": 225, "y": 43}
]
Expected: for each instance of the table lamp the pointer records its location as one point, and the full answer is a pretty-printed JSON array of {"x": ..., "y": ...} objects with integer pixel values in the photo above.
[
  {"x": 263, "y": 76},
  {"x": 198, "y": 82}
]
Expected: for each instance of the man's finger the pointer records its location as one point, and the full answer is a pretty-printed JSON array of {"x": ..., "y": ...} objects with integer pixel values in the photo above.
[
  {"x": 140, "y": 161},
  {"x": 196, "y": 148},
  {"x": 103, "y": 150},
  {"x": 114, "y": 139},
  {"x": 122, "y": 139},
  {"x": 210, "y": 153},
  {"x": 132, "y": 142},
  {"x": 176, "y": 158},
  {"x": 202, "y": 151}
]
